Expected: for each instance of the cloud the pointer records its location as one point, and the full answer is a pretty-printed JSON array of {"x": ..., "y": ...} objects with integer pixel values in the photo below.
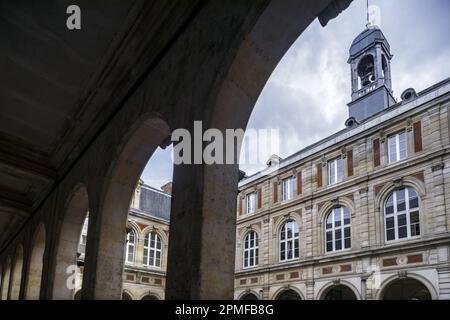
[{"x": 307, "y": 94}]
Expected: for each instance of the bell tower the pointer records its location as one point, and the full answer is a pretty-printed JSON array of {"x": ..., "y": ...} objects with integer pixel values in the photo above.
[{"x": 370, "y": 63}]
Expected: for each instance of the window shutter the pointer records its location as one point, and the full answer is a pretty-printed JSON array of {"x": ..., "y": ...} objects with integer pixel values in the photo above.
[
  {"x": 417, "y": 127},
  {"x": 319, "y": 175},
  {"x": 299, "y": 182},
  {"x": 350, "y": 163},
  {"x": 275, "y": 192},
  {"x": 241, "y": 205},
  {"x": 376, "y": 152},
  {"x": 259, "y": 192}
]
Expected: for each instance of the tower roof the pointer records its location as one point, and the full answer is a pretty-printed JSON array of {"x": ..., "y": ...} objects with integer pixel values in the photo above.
[{"x": 369, "y": 37}]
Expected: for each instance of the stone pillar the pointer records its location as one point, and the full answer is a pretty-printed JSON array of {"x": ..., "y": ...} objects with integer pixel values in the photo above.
[
  {"x": 438, "y": 196},
  {"x": 310, "y": 290},
  {"x": 202, "y": 232}
]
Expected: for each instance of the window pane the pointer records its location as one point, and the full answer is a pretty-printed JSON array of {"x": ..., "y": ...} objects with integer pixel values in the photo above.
[
  {"x": 390, "y": 205},
  {"x": 347, "y": 243},
  {"x": 347, "y": 232},
  {"x": 402, "y": 145},
  {"x": 346, "y": 216},
  {"x": 329, "y": 221},
  {"x": 401, "y": 205},
  {"x": 402, "y": 232},
  {"x": 392, "y": 148},
  {"x": 390, "y": 234},
  {"x": 338, "y": 244},
  {"x": 329, "y": 246},
  {"x": 390, "y": 222},
  {"x": 340, "y": 170},
  {"x": 401, "y": 220},
  {"x": 329, "y": 236},
  {"x": 413, "y": 199}
]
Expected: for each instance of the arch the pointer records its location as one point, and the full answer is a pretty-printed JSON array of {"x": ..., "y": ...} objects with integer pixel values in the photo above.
[
  {"x": 109, "y": 227},
  {"x": 16, "y": 276},
  {"x": 289, "y": 294},
  {"x": 385, "y": 285},
  {"x": 126, "y": 295},
  {"x": 348, "y": 291},
  {"x": 34, "y": 275},
  {"x": 6, "y": 280},
  {"x": 330, "y": 205},
  {"x": 77, "y": 206},
  {"x": 366, "y": 70},
  {"x": 412, "y": 182},
  {"x": 150, "y": 297},
  {"x": 248, "y": 296}
]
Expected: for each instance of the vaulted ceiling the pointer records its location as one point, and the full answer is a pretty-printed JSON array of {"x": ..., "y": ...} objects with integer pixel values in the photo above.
[{"x": 47, "y": 76}]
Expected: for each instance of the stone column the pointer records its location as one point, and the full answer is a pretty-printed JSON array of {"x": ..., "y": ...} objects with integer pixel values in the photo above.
[{"x": 202, "y": 232}]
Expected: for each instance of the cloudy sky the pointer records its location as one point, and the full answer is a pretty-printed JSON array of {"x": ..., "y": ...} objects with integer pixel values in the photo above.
[{"x": 313, "y": 78}]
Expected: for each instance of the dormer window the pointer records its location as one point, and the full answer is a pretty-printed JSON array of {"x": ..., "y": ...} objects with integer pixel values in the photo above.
[{"x": 397, "y": 147}]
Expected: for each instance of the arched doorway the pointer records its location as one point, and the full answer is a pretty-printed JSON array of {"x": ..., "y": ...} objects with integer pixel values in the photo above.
[
  {"x": 68, "y": 245},
  {"x": 34, "y": 275},
  {"x": 249, "y": 296},
  {"x": 5, "y": 279},
  {"x": 149, "y": 297},
  {"x": 339, "y": 292},
  {"x": 126, "y": 296},
  {"x": 17, "y": 274},
  {"x": 289, "y": 295},
  {"x": 406, "y": 289}
]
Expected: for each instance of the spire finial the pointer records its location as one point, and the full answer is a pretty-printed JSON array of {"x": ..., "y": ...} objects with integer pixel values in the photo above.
[{"x": 367, "y": 12}]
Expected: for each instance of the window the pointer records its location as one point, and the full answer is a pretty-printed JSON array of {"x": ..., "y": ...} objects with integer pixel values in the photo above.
[
  {"x": 131, "y": 240},
  {"x": 251, "y": 202},
  {"x": 83, "y": 237},
  {"x": 152, "y": 250},
  {"x": 401, "y": 212},
  {"x": 337, "y": 230},
  {"x": 397, "y": 147},
  {"x": 289, "y": 241},
  {"x": 335, "y": 171},
  {"x": 288, "y": 188},
  {"x": 251, "y": 250}
]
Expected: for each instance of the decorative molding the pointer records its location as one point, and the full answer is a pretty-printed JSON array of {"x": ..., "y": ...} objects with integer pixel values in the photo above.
[
  {"x": 363, "y": 190},
  {"x": 437, "y": 167},
  {"x": 398, "y": 183},
  {"x": 336, "y": 282},
  {"x": 402, "y": 274}
]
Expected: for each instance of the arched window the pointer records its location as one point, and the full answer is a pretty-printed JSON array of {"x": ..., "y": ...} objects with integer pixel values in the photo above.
[
  {"x": 131, "y": 241},
  {"x": 152, "y": 250},
  {"x": 337, "y": 230},
  {"x": 289, "y": 241},
  {"x": 401, "y": 212},
  {"x": 251, "y": 251}
]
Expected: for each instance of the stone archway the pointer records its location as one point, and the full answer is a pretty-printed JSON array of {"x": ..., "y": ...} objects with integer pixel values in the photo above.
[
  {"x": 339, "y": 292},
  {"x": 126, "y": 296},
  {"x": 406, "y": 289},
  {"x": 66, "y": 254},
  {"x": 289, "y": 295},
  {"x": 102, "y": 277},
  {"x": 34, "y": 275},
  {"x": 249, "y": 296},
  {"x": 16, "y": 275}
]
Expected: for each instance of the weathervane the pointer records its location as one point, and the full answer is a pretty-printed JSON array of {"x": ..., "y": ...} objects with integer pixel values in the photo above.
[{"x": 367, "y": 11}]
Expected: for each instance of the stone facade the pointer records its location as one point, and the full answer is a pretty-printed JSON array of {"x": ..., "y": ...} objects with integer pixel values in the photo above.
[{"x": 372, "y": 263}]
